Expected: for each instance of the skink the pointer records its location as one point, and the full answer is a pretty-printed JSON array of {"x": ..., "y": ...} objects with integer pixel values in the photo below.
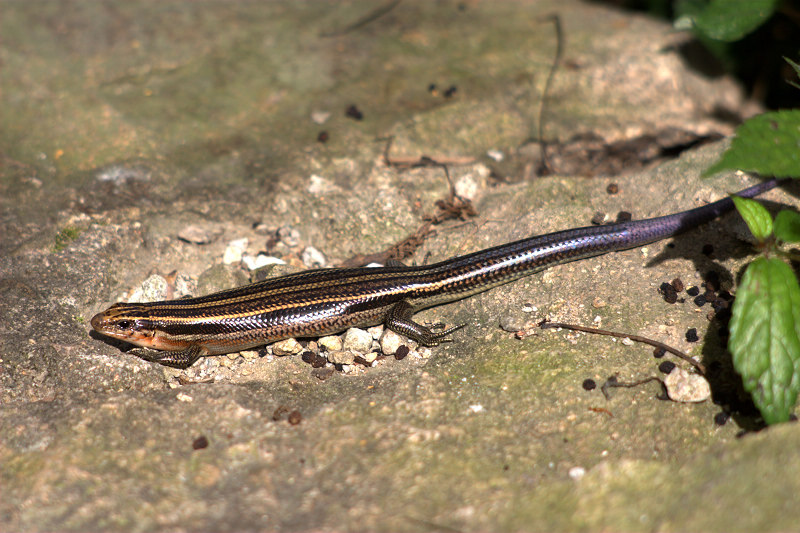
[{"x": 320, "y": 302}]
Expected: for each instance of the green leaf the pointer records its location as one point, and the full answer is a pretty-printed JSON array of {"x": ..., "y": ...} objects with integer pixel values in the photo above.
[
  {"x": 724, "y": 20},
  {"x": 765, "y": 337},
  {"x": 756, "y": 216},
  {"x": 796, "y": 68},
  {"x": 787, "y": 226},
  {"x": 768, "y": 144}
]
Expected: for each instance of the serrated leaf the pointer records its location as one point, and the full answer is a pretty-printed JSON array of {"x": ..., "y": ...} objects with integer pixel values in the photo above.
[
  {"x": 730, "y": 20},
  {"x": 796, "y": 68},
  {"x": 768, "y": 144},
  {"x": 787, "y": 226},
  {"x": 765, "y": 337},
  {"x": 756, "y": 216}
]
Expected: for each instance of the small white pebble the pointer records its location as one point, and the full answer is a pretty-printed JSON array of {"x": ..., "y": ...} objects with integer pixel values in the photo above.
[
  {"x": 287, "y": 347},
  {"x": 183, "y": 397},
  {"x": 320, "y": 117},
  {"x": 496, "y": 155},
  {"x": 370, "y": 357},
  {"x": 376, "y": 331},
  {"x": 476, "y": 408},
  {"x": 331, "y": 343},
  {"x": 358, "y": 340},
  {"x": 467, "y": 186},
  {"x": 313, "y": 258},
  {"x": 627, "y": 341},
  {"x": 577, "y": 472},
  {"x": 233, "y": 253},
  {"x": 341, "y": 357},
  {"x": 683, "y": 386},
  {"x": 289, "y": 235},
  {"x": 390, "y": 342},
  {"x": 318, "y": 185}
]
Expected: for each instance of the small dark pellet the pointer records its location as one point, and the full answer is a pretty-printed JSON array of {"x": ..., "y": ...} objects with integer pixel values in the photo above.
[
  {"x": 678, "y": 285},
  {"x": 353, "y": 112},
  {"x": 693, "y": 291},
  {"x": 670, "y": 295},
  {"x": 658, "y": 353},
  {"x": 721, "y": 418},
  {"x": 401, "y": 352},
  {"x": 665, "y": 367},
  {"x": 700, "y": 300},
  {"x": 612, "y": 188},
  {"x": 588, "y": 384},
  {"x": 315, "y": 360},
  {"x": 200, "y": 442},
  {"x": 691, "y": 335}
]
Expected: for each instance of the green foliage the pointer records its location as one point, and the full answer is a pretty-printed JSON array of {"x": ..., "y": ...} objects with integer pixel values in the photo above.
[
  {"x": 765, "y": 337},
  {"x": 787, "y": 227},
  {"x": 765, "y": 326},
  {"x": 796, "y": 68},
  {"x": 65, "y": 236},
  {"x": 768, "y": 144},
  {"x": 756, "y": 216},
  {"x": 723, "y": 20}
]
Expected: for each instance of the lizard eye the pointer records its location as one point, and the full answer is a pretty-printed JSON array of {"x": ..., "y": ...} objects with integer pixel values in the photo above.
[{"x": 124, "y": 324}]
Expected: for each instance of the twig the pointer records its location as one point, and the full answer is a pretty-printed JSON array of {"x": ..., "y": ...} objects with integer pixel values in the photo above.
[
  {"x": 612, "y": 383},
  {"x": 363, "y": 21},
  {"x": 637, "y": 338},
  {"x": 545, "y": 166}
]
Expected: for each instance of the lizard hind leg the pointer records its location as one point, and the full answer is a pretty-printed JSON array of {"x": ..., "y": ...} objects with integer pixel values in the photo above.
[{"x": 399, "y": 321}]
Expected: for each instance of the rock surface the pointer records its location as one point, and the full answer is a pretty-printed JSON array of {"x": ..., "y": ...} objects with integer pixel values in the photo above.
[{"x": 125, "y": 122}]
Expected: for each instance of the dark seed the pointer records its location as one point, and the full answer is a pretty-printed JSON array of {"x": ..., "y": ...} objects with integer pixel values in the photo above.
[
  {"x": 401, "y": 352},
  {"x": 665, "y": 367},
  {"x": 670, "y": 295},
  {"x": 353, "y": 112},
  {"x": 677, "y": 284}
]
